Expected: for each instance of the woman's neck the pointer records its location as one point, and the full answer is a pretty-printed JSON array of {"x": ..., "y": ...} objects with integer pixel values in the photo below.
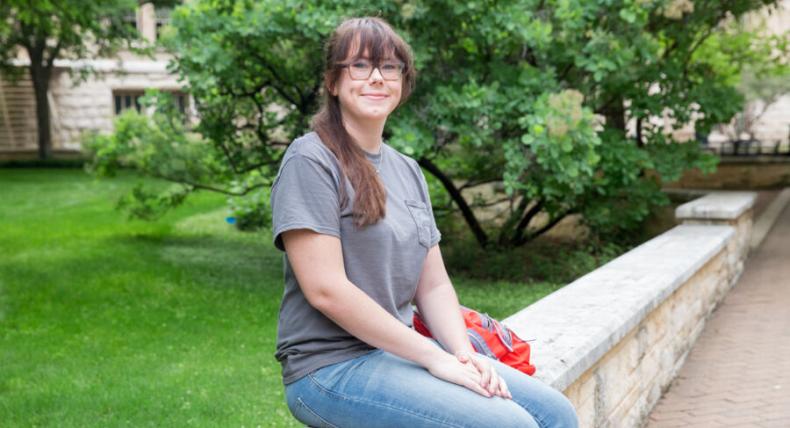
[{"x": 367, "y": 135}]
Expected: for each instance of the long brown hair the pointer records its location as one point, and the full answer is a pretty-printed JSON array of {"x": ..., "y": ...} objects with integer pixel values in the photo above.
[{"x": 379, "y": 39}]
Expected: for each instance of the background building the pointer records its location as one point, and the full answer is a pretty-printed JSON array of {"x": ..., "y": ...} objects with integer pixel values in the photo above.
[
  {"x": 76, "y": 107},
  {"x": 92, "y": 104}
]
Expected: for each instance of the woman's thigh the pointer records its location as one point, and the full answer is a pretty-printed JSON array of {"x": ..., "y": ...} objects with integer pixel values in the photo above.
[
  {"x": 549, "y": 407},
  {"x": 382, "y": 390}
]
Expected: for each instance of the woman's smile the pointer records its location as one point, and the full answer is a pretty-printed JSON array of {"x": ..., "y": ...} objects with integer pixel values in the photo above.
[{"x": 374, "y": 96}]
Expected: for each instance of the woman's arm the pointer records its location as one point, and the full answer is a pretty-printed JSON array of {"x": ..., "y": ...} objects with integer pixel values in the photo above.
[
  {"x": 439, "y": 307},
  {"x": 438, "y": 304},
  {"x": 317, "y": 261}
]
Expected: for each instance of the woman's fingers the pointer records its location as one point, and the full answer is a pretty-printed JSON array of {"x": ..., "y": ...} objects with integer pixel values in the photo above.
[
  {"x": 474, "y": 385},
  {"x": 485, "y": 375},
  {"x": 489, "y": 377},
  {"x": 474, "y": 372},
  {"x": 483, "y": 367},
  {"x": 503, "y": 389},
  {"x": 493, "y": 384}
]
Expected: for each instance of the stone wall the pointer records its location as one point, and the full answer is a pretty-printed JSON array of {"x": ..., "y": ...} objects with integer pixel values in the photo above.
[
  {"x": 614, "y": 339},
  {"x": 740, "y": 173},
  {"x": 76, "y": 107},
  {"x": 79, "y": 106},
  {"x": 90, "y": 105}
]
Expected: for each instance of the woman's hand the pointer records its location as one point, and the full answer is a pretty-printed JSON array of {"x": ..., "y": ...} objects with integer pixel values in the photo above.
[
  {"x": 489, "y": 378},
  {"x": 451, "y": 369}
]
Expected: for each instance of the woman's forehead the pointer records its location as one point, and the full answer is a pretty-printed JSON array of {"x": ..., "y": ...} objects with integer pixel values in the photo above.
[{"x": 354, "y": 51}]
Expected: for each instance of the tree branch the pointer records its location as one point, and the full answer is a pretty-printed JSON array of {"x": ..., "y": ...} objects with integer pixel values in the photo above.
[
  {"x": 518, "y": 233},
  {"x": 206, "y": 186},
  {"x": 491, "y": 203},
  {"x": 459, "y": 200},
  {"x": 545, "y": 228},
  {"x": 470, "y": 184}
]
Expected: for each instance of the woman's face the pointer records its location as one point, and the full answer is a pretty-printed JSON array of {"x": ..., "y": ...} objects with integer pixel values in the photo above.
[{"x": 369, "y": 99}]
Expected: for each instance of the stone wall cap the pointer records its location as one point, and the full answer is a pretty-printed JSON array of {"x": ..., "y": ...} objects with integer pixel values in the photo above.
[
  {"x": 717, "y": 206},
  {"x": 576, "y": 325}
]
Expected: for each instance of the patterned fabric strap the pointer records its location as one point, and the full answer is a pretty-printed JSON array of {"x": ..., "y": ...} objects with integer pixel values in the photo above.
[{"x": 480, "y": 344}]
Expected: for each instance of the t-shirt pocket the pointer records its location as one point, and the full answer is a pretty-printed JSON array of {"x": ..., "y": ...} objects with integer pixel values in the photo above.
[{"x": 422, "y": 219}]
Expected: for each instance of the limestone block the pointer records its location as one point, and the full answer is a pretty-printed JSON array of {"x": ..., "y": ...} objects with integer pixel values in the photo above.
[
  {"x": 89, "y": 105},
  {"x": 627, "y": 381},
  {"x": 582, "y": 394},
  {"x": 614, "y": 339},
  {"x": 717, "y": 206},
  {"x": 580, "y": 322}
]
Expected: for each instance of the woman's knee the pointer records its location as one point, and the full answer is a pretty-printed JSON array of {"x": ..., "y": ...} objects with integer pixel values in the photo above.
[
  {"x": 509, "y": 415},
  {"x": 553, "y": 409},
  {"x": 549, "y": 407},
  {"x": 565, "y": 413}
]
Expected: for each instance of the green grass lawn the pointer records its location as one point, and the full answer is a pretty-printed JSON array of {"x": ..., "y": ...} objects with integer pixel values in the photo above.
[{"x": 111, "y": 322}]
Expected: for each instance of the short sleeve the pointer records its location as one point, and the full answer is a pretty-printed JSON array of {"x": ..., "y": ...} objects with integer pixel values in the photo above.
[
  {"x": 436, "y": 235},
  {"x": 304, "y": 196}
]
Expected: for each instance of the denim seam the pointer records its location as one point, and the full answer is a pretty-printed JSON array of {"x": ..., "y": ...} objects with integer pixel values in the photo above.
[
  {"x": 312, "y": 412},
  {"x": 374, "y": 403}
]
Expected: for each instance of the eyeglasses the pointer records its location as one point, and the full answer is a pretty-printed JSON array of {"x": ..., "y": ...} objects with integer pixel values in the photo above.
[{"x": 362, "y": 69}]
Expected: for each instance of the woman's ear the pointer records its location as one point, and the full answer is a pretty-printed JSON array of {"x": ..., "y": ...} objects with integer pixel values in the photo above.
[{"x": 330, "y": 86}]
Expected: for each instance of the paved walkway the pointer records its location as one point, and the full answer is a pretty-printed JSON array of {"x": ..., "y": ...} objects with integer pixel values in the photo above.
[{"x": 738, "y": 373}]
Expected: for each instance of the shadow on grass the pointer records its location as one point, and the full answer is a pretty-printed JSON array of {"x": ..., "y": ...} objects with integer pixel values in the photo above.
[{"x": 213, "y": 260}]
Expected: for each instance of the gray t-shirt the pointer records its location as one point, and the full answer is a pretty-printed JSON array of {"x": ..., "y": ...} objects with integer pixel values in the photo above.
[{"x": 384, "y": 259}]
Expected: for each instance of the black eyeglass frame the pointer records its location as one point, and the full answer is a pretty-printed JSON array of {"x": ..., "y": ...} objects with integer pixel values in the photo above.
[{"x": 377, "y": 65}]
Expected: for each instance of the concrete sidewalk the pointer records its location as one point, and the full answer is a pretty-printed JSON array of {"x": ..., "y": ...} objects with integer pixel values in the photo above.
[{"x": 738, "y": 373}]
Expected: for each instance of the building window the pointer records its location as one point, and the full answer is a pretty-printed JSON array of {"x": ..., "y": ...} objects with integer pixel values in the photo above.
[
  {"x": 162, "y": 19},
  {"x": 125, "y": 100},
  {"x": 181, "y": 101},
  {"x": 130, "y": 20}
]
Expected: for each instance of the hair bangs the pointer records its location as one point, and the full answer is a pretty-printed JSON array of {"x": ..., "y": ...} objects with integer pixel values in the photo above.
[{"x": 369, "y": 39}]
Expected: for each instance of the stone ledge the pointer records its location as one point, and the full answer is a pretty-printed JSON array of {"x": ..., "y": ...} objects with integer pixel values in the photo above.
[
  {"x": 576, "y": 325},
  {"x": 717, "y": 206}
]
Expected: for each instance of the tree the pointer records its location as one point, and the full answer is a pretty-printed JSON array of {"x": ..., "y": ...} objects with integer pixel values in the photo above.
[
  {"x": 555, "y": 99},
  {"x": 53, "y": 29},
  {"x": 761, "y": 85}
]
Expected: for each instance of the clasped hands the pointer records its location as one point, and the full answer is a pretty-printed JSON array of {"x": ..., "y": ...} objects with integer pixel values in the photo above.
[{"x": 472, "y": 371}]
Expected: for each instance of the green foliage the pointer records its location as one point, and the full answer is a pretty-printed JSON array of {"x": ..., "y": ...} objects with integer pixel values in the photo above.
[
  {"x": 553, "y": 262},
  {"x": 555, "y": 99},
  {"x": 48, "y": 30},
  {"x": 250, "y": 213},
  {"x": 556, "y": 156},
  {"x": 64, "y": 29},
  {"x": 160, "y": 144},
  {"x": 765, "y": 76}
]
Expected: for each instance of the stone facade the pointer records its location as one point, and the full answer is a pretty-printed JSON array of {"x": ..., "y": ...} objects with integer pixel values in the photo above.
[
  {"x": 76, "y": 107},
  {"x": 90, "y": 105},
  {"x": 614, "y": 339}
]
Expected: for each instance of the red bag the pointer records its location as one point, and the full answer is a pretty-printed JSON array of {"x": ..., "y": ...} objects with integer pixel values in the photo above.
[{"x": 490, "y": 338}]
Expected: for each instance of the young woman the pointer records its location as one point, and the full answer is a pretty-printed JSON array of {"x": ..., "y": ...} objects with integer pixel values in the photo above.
[{"x": 354, "y": 218}]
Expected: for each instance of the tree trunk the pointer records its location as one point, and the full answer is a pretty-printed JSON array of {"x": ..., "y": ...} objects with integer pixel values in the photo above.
[
  {"x": 455, "y": 194},
  {"x": 39, "y": 74},
  {"x": 615, "y": 115}
]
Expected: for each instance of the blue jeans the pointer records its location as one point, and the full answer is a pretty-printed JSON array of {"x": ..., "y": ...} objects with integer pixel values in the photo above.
[{"x": 380, "y": 389}]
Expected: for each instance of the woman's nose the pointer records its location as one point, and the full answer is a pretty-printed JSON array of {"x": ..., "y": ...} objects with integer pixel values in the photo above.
[{"x": 375, "y": 75}]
